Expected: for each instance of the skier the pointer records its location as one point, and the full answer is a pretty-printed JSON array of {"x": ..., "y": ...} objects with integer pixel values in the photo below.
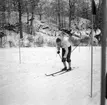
[{"x": 65, "y": 45}]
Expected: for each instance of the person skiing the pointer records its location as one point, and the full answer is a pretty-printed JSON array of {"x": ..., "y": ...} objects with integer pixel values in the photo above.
[{"x": 64, "y": 44}]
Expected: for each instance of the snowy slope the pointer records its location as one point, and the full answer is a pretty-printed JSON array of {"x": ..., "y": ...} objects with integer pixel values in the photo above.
[{"x": 26, "y": 83}]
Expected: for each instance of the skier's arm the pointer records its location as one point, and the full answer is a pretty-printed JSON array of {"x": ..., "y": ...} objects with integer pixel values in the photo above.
[{"x": 58, "y": 49}]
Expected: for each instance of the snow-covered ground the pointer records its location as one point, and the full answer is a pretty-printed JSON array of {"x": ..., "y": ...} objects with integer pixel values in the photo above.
[{"x": 26, "y": 83}]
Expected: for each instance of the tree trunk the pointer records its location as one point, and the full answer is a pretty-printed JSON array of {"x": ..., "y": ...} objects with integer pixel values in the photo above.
[
  {"x": 32, "y": 18},
  {"x": 40, "y": 12},
  {"x": 40, "y": 16},
  {"x": 70, "y": 12},
  {"x": 28, "y": 30},
  {"x": 1, "y": 41},
  {"x": 65, "y": 21},
  {"x": 59, "y": 21},
  {"x": 27, "y": 11},
  {"x": 62, "y": 19},
  {"x": 20, "y": 18},
  {"x": 20, "y": 22}
]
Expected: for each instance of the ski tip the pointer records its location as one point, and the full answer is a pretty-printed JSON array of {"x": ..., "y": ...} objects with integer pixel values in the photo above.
[
  {"x": 50, "y": 75},
  {"x": 47, "y": 75}
]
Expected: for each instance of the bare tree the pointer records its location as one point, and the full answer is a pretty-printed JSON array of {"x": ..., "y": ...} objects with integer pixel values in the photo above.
[
  {"x": 71, "y": 11},
  {"x": 33, "y": 4},
  {"x": 20, "y": 17},
  {"x": 2, "y": 19},
  {"x": 40, "y": 9},
  {"x": 58, "y": 12}
]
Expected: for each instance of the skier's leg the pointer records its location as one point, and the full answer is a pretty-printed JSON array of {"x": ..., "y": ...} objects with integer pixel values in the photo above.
[
  {"x": 65, "y": 66},
  {"x": 64, "y": 62},
  {"x": 69, "y": 63},
  {"x": 69, "y": 58}
]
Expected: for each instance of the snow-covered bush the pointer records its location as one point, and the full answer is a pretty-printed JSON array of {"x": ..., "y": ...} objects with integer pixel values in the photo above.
[
  {"x": 39, "y": 41},
  {"x": 51, "y": 42},
  {"x": 44, "y": 40},
  {"x": 26, "y": 43},
  {"x": 30, "y": 38}
]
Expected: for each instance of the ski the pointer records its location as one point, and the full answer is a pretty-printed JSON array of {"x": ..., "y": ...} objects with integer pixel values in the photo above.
[
  {"x": 52, "y": 74},
  {"x": 59, "y": 72},
  {"x": 64, "y": 72}
]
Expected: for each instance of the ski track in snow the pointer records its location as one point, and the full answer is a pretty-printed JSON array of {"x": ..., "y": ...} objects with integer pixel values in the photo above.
[{"x": 26, "y": 83}]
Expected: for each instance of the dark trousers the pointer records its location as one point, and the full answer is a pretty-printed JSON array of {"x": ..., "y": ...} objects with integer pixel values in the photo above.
[{"x": 68, "y": 55}]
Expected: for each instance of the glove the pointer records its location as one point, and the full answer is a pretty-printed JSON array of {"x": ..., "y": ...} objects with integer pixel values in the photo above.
[
  {"x": 63, "y": 59},
  {"x": 58, "y": 52}
]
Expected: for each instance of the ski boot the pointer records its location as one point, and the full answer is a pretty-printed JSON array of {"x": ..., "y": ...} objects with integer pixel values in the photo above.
[
  {"x": 64, "y": 69},
  {"x": 69, "y": 69}
]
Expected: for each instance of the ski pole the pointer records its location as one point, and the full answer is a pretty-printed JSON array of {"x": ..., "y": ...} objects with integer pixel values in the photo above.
[
  {"x": 75, "y": 47},
  {"x": 60, "y": 56}
]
